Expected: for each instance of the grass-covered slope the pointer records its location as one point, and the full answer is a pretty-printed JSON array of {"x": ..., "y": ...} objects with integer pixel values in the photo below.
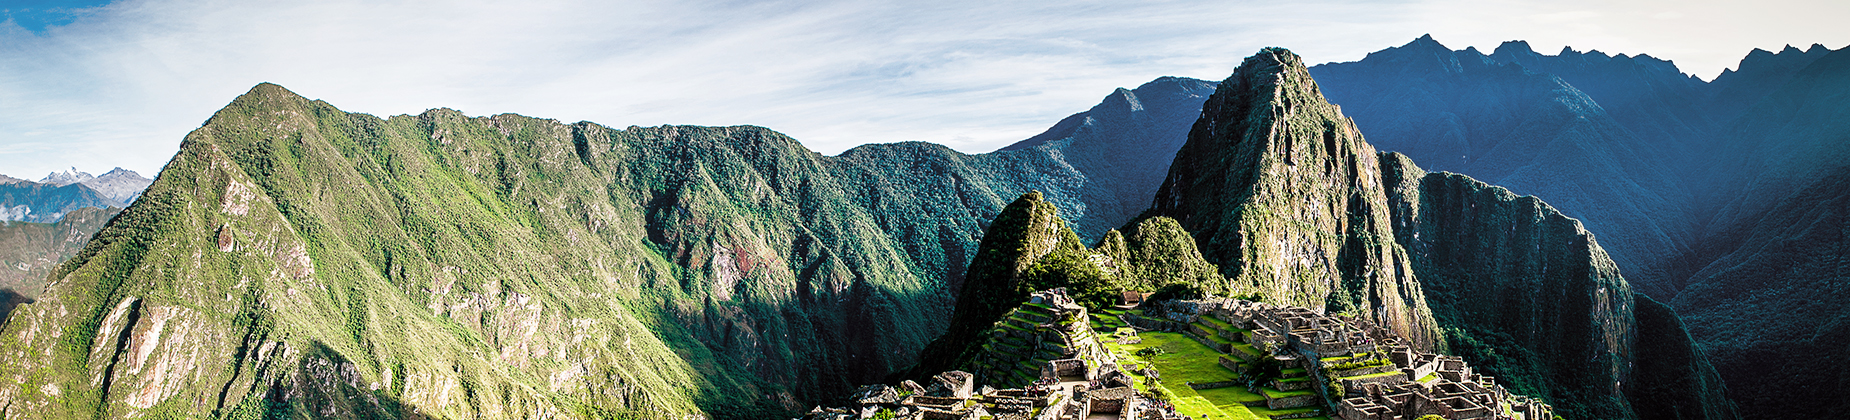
[
  {"x": 506, "y": 266},
  {"x": 1281, "y": 191}
]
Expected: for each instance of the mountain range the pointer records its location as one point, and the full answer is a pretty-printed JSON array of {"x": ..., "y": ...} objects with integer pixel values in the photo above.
[
  {"x": 1697, "y": 188},
  {"x": 294, "y": 258},
  {"x": 49, "y": 199}
]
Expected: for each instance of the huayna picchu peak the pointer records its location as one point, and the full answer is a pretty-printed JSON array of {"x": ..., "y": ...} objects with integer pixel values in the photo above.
[{"x": 1187, "y": 249}]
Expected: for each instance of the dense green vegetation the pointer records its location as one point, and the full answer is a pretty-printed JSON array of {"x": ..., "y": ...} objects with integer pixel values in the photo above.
[
  {"x": 1029, "y": 247},
  {"x": 504, "y": 266},
  {"x": 295, "y": 260},
  {"x": 1282, "y": 192}
]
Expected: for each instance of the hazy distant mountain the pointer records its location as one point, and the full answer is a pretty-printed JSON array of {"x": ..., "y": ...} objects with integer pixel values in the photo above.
[
  {"x": 27, "y": 201},
  {"x": 1121, "y": 148},
  {"x": 29, "y": 251},
  {"x": 1534, "y": 133},
  {"x": 49, "y": 199},
  {"x": 118, "y": 184},
  {"x": 1713, "y": 196},
  {"x": 1768, "y": 288}
]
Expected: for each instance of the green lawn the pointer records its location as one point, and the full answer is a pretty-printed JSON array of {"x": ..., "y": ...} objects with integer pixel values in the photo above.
[
  {"x": 1220, "y": 339},
  {"x": 1232, "y": 395},
  {"x": 1106, "y": 322},
  {"x": 1184, "y": 360}
]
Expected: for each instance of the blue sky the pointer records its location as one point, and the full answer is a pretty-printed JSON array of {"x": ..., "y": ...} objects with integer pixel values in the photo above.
[{"x": 97, "y": 85}]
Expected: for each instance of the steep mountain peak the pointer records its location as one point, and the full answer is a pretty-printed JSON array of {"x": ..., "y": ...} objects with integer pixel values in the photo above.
[
  {"x": 68, "y": 177},
  {"x": 120, "y": 184},
  {"x": 119, "y": 172},
  {"x": 1425, "y": 40},
  {"x": 1269, "y": 172},
  {"x": 1514, "y": 48},
  {"x": 263, "y": 96}
]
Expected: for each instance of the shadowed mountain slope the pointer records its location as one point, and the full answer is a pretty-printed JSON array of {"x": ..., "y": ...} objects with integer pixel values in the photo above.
[
  {"x": 1122, "y": 147},
  {"x": 29, "y": 251},
  {"x": 1687, "y": 186},
  {"x": 1464, "y": 112},
  {"x": 1282, "y": 191}
]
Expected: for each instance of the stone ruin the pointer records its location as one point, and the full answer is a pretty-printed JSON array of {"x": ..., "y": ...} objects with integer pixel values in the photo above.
[
  {"x": 1382, "y": 378},
  {"x": 1073, "y": 377}
]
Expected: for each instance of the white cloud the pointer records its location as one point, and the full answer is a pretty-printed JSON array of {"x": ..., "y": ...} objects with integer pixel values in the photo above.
[{"x": 121, "y": 86}]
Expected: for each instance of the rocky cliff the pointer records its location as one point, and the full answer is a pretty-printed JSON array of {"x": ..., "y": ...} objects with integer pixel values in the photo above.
[
  {"x": 1281, "y": 191},
  {"x": 1686, "y": 182}
]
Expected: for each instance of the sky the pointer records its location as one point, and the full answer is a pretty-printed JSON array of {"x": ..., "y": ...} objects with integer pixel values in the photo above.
[{"x": 96, "y": 84}]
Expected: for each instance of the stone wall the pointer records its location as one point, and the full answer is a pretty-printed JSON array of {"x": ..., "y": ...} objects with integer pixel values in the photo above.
[
  {"x": 1212, "y": 385},
  {"x": 1363, "y": 371},
  {"x": 1217, "y": 346},
  {"x": 1384, "y": 380},
  {"x": 1290, "y": 402}
]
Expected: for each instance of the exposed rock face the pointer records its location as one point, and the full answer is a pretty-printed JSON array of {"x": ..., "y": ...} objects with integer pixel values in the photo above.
[{"x": 1281, "y": 191}]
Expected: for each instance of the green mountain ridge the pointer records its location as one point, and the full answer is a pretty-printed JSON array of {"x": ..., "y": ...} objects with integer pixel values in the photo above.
[
  {"x": 295, "y": 260},
  {"x": 504, "y": 266}
]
